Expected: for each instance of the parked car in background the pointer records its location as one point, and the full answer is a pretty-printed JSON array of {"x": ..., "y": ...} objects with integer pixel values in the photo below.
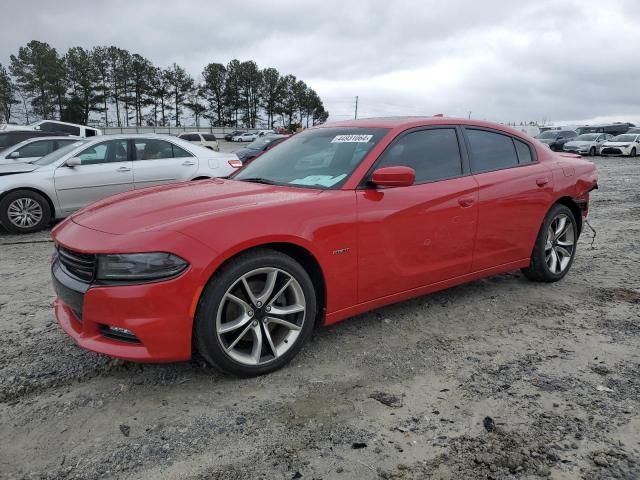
[
  {"x": 56, "y": 185},
  {"x": 207, "y": 140},
  {"x": 229, "y": 136},
  {"x": 634, "y": 130},
  {"x": 262, "y": 133},
  {"x": 258, "y": 147},
  {"x": 627, "y": 145},
  {"x": 11, "y": 137},
  {"x": 244, "y": 137},
  {"x": 54, "y": 126},
  {"x": 32, "y": 149},
  {"x": 555, "y": 139},
  {"x": 587, "y": 143},
  {"x": 337, "y": 220},
  {"x": 610, "y": 128}
]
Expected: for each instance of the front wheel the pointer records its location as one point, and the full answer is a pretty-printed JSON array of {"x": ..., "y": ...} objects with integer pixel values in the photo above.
[
  {"x": 555, "y": 246},
  {"x": 255, "y": 314},
  {"x": 24, "y": 211},
  {"x": 592, "y": 152},
  {"x": 633, "y": 152}
]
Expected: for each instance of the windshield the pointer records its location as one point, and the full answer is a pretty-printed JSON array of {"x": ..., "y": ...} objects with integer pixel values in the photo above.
[
  {"x": 587, "y": 137},
  {"x": 58, "y": 154},
  {"x": 624, "y": 138},
  {"x": 549, "y": 134},
  {"x": 319, "y": 158},
  {"x": 262, "y": 142}
]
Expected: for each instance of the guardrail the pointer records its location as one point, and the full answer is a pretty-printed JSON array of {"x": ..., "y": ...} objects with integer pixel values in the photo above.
[{"x": 173, "y": 130}]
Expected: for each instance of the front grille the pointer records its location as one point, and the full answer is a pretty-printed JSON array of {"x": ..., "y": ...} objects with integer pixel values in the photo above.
[
  {"x": 611, "y": 151},
  {"x": 79, "y": 265}
]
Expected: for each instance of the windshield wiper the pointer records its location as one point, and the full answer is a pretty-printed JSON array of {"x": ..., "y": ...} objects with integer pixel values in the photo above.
[{"x": 266, "y": 181}]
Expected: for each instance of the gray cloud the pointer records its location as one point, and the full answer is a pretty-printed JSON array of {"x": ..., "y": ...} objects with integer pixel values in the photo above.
[{"x": 500, "y": 59}]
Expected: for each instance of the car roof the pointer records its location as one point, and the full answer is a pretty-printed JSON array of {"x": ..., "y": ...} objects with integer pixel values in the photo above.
[{"x": 403, "y": 123}]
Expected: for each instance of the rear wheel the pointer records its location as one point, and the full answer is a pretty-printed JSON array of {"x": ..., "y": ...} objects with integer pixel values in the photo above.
[
  {"x": 555, "y": 246},
  {"x": 24, "y": 211},
  {"x": 255, "y": 314}
]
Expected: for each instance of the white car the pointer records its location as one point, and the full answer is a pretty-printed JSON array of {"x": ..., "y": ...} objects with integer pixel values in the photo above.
[
  {"x": 627, "y": 144},
  {"x": 587, "y": 143},
  {"x": 207, "y": 140},
  {"x": 244, "y": 137},
  {"x": 32, "y": 149},
  {"x": 58, "y": 184}
]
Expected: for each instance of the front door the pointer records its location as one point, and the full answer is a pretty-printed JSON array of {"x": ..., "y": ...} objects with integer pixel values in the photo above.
[
  {"x": 409, "y": 237},
  {"x": 105, "y": 170}
]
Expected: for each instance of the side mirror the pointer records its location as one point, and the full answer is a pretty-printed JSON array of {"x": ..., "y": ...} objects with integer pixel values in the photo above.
[
  {"x": 393, "y": 177},
  {"x": 74, "y": 162},
  {"x": 14, "y": 155}
]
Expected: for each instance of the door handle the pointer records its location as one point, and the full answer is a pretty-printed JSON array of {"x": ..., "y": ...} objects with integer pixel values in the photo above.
[
  {"x": 466, "y": 201},
  {"x": 124, "y": 169},
  {"x": 541, "y": 182},
  {"x": 188, "y": 163}
]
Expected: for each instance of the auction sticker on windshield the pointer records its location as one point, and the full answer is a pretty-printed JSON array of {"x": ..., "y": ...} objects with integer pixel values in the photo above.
[
  {"x": 351, "y": 138},
  {"x": 322, "y": 180}
]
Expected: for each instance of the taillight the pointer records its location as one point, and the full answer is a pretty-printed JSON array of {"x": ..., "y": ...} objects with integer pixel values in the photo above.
[{"x": 235, "y": 163}]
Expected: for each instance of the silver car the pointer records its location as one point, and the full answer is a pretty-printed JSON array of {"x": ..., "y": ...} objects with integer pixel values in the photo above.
[
  {"x": 587, "y": 143},
  {"x": 32, "y": 149},
  {"x": 56, "y": 185}
]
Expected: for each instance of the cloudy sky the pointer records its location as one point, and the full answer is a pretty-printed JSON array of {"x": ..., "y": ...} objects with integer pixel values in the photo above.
[{"x": 504, "y": 60}]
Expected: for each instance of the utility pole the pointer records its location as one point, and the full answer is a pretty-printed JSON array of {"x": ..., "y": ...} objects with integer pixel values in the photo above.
[{"x": 356, "y": 115}]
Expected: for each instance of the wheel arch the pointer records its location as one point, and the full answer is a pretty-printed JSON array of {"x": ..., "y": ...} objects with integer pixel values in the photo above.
[
  {"x": 35, "y": 190},
  {"x": 571, "y": 203}
]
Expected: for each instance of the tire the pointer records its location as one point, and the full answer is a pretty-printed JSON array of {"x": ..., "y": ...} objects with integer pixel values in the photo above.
[
  {"x": 592, "y": 152},
  {"x": 24, "y": 211},
  {"x": 633, "y": 152},
  {"x": 224, "y": 303},
  {"x": 549, "y": 260}
]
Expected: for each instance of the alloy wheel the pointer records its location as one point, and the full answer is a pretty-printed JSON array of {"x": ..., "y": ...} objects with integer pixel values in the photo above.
[
  {"x": 24, "y": 212},
  {"x": 260, "y": 316},
  {"x": 560, "y": 244}
]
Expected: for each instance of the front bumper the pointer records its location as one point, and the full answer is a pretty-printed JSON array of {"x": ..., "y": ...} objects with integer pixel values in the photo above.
[
  {"x": 160, "y": 315},
  {"x": 578, "y": 150}
]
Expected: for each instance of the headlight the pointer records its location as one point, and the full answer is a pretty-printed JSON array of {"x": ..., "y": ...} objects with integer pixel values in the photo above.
[
  {"x": 626, "y": 145},
  {"x": 139, "y": 267}
]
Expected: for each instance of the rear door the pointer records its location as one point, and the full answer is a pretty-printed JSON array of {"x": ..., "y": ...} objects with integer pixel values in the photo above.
[
  {"x": 414, "y": 236},
  {"x": 515, "y": 192},
  {"x": 105, "y": 170},
  {"x": 159, "y": 161}
]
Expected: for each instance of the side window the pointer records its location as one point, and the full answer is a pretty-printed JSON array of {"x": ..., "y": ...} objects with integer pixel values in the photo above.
[
  {"x": 209, "y": 137},
  {"x": 180, "y": 152},
  {"x": 490, "y": 151},
  {"x": 63, "y": 143},
  {"x": 89, "y": 132},
  {"x": 524, "y": 152},
  {"x": 434, "y": 154},
  {"x": 36, "y": 149},
  {"x": 105, "y": 152},
  {"x": 152, "y": 149}
]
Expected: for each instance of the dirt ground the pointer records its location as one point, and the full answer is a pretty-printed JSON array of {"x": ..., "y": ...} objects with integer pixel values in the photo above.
[{"x": 501, "y": 378}]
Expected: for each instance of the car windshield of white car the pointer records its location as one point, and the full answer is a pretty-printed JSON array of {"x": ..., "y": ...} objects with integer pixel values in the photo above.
[
  {"x": 587, "y": 137},
  {"x": 625, "y": 138},
  {"x": 318, "y": 158},
  {"x": 58, "y": 154}
]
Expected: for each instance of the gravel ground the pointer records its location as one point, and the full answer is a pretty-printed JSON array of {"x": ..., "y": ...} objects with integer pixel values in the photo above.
[{"x": 500, "y": 378}]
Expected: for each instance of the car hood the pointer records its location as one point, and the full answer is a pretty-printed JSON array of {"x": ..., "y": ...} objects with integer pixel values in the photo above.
[
  {"x": 580, "y": 143},
  {"x": 171, "y": 207},
  {"x": 14, "y": 168}
]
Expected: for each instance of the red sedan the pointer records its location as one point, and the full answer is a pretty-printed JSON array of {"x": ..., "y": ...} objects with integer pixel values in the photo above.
[{"x": 337, "y": 220}]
